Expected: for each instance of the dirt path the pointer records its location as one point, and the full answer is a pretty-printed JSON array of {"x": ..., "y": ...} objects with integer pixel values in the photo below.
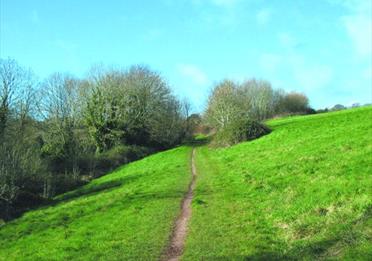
[{"x": 176, "y": 245}]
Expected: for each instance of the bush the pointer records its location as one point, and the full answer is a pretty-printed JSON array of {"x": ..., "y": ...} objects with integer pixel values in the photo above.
[
  {"x": 112, "y": 158},
  {"x": 238, "y": 131},
  {"x": 310, "y": 111},
  {"x": 255, "y": 130},
  {"x": 322, "y": 110},
  {"x": 295, "y": 102},
  {"x": 65, "y": 182},
  {"x": 338, "y": 107},
  {"x": 118, "y": 156}
]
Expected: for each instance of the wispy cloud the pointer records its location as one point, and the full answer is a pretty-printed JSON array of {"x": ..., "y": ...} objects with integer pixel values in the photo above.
[
  {"x": 225, "y": 3},
  {"x": 218, "y": 12},
  {"x": 306, "y": 75},
  {"x": 314, "y": 77},
  {"x": 359, "y": 29},
  {"x": 194, "y": 84},
  {"x": 310, "y": 76},
  {"x": 218, "y": 3},
  {"x": 269, "y": 62},
  {"x": 287, "y": 40},
  {"x": 354, "y": 5},
  {"x": 35, "y": 19},
  {"x": 358, "y": 24},
  {"x": 367, "y": 73},
  {"x": 65, "y": 45},
  {"x": 69, "y": 51},
  {"x": 263, "y": 16},
  {"x": 193, "y": 73},
  {"x": 152, "y": 34}
]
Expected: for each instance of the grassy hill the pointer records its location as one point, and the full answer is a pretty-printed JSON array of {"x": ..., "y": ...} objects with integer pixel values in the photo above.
[
  {"x": 125, "y": 215},
  {"x": 302, "y": 192}
]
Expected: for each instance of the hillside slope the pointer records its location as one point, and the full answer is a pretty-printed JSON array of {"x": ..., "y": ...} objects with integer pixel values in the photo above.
[
  {"x": 126, "y": 215},
  {"x": 302, "y": 192}
]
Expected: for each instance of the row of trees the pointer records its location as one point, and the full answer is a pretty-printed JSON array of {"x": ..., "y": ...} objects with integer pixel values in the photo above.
[
  {"x": 235, "y": 110},
  {"x": 60, "y": 131}
]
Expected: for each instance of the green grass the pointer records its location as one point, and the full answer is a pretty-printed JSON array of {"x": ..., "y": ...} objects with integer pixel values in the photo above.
[
  {"x": 302, "y": 192},
  {"x": 127, "y": 215}
]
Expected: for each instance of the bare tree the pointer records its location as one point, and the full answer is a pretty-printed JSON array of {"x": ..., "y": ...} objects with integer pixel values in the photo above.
[
  {"x": 224, "y": 105},
  {"x": 17, "y": 93},
  {"x": 61, "y": 110},
  {"x": 186, "y": 110},
  {"x": 258, "y": 99},
  {"x": 17, "y": 103}
]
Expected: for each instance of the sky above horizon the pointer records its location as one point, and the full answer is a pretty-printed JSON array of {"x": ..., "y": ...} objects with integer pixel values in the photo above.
[{"x": 322, "y": 47}]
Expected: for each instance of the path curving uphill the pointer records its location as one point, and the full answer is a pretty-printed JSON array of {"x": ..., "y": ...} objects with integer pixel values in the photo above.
[{"x": 177, "y": 241}]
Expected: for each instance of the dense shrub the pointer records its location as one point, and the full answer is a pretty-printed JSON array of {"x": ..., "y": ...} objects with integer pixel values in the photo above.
[
  {"x": 338, "y": 107},
  {"x": 322, "y": 110},
  {"x": 295, "y": 102},
  {"x": 118, "y": 155},
  {"x": 255, "y": 129},
  {"x": 238, "y": 131},
  {"x": 310, "y": 111},
  {"x": 65, "y": 182}
]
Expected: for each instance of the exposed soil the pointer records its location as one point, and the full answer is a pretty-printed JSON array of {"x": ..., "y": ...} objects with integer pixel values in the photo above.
[{"x": 177, "y": 241}]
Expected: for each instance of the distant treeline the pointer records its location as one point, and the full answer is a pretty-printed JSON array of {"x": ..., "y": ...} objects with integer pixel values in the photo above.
[
  {"x": 340, "y": 107},
  {"x": 58, "y": 133}
]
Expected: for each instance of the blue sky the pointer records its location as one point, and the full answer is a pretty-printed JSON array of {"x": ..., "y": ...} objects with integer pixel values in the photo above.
[{"x": 320, "y": 47}]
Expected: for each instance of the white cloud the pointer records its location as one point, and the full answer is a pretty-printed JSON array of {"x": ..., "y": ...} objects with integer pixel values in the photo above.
[
  {"x": 313, "y": 77},
  {"x": 35, "y": 19},
  {"x": 226, "y": 19},
  {"x": 195, "y": 74},
  {"x": 218, "y": 3},
  {"x": 193, "y": 84},
  {"x": 152, "y": 34},
  {"x": 217, "y": 12},
  {"x": 69, "y": 51},
  {"x": 270, "y": 62},
  {"x": 358, "y": 24},
  {"x": 65, "y": 45},
  {"x": 367, "y": 74},
  {"x": 225, "y": 3},
  {"x": 359, "y": 29},
  {"x": 354, "y": 5},
  {"x": 263, "y": 16},
  {"x": 287, "y": 40},
  {"x": 308, "y": 77}
]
